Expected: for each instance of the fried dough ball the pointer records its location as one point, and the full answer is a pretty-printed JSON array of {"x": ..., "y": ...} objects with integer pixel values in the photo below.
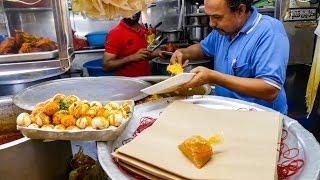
[
  {"x": 116, "y": 119},
  {"x": 78, "y": 109},
  {"x": 50, "y": 108},
  {"x": 73, "y": 128},
  {"x": 68, "y": 120},
  {"x": 56, "y": 118},
  {"x": 42, "y": 119},
  {"x": 83, "y": 122},
  {"x": 95, "y": 103},
  {"x": 92, "y": 111},
  {"x": 89, "y": 128},
  {"x": 33, "y": 125},
  {"x": 103, "y": 112},
  {"x": 59, "y": 127},
  {"x": 23, "y": 119},
  {"x": 100, "y": 123},
  {"x": 126, "y": 107},
  {"x": 47, "y": 126},
  {"x": 71, "y": 99},
  {"x": 58, "y": 98},
  {"x": 112, "y": 106}
]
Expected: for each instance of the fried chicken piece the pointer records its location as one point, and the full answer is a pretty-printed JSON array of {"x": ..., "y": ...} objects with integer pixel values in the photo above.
[
  {"x": 28, "y": 48},
  {"x": 18, "y": 38},
  {"x": 8, "y": 46},
  {"x": 46, "y": 44}
]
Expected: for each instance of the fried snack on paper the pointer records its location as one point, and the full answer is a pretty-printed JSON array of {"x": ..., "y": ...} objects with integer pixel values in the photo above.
[{"x": 198, "y": 149}]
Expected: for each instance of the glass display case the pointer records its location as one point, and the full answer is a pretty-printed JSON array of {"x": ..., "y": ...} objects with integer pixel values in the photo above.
[{"x": 36, "y": 42}]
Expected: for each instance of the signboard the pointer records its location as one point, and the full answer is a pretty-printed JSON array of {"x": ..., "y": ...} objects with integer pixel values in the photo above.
[{"x": 301, "y": 14}]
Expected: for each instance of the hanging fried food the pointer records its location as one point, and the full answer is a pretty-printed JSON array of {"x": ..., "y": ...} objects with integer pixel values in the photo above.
[{"x": 8, "y": 46}]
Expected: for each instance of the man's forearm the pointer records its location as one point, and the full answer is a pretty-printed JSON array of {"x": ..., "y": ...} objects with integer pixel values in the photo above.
[
  {"x": 193, "y": 52},
  {"x": 256, "y": 88},
  {"x": 115, "y": 63}
]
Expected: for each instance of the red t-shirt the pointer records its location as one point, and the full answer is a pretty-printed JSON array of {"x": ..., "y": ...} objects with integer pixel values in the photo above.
[{"x": 124, "y": 41}]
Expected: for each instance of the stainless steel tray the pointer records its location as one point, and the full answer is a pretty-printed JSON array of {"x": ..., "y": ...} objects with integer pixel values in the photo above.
[
  {"x": 297, "y": 135},
  {"x": 88, "y": 88},
  {"x": 10, "y": 58}
]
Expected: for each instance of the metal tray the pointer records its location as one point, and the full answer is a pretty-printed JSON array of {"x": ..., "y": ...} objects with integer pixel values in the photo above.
[
  {"x": 10, "y": 58},
  {"x": 297, "y": 135},
  {"x": 88, "y": 88}
]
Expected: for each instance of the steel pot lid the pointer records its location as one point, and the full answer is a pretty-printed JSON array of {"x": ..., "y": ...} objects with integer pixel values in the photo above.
[
  {"x": 191, "y": 62},
  {"x": 88, "y": 88}
]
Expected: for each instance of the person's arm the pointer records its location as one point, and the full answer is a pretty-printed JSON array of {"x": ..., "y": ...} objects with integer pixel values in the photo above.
[
  {"x": 181, "y": 56},
  {"x": 256, "y": 88},
  {"x": 110, "y": 61}
]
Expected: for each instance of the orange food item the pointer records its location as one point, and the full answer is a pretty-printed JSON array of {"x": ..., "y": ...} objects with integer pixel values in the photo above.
[{"x": 197, "y": 149}]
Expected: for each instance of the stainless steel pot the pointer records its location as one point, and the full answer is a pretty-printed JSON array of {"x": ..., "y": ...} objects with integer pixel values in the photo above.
[
  {"x": 197, "y": 33},
  {"x": 30, "y": 159},
  {"x": 159, "y": 65},
  {"x": 172, "y": 35}
]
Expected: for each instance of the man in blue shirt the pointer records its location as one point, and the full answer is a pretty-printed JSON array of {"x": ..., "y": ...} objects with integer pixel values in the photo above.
[{"x": 250, "y": 53}]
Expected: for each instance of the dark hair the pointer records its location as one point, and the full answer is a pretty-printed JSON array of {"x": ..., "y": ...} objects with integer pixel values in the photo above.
[{"x": 234, "y": 4}]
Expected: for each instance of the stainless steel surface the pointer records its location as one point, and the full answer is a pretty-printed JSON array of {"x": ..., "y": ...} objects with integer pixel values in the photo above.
[
  {"x": 89, "y": 88},
  {"x": 297, "y": 135},
  {"x": 30, "y": 159},
  {"x": 11, "y": 58},
  {"x": 172, "y": 35},
  {"x": 64, "y": 32},
  {"x": 89, "y": 51},
  {"x": 12, "y": 87},
  {"x": 166, "y": 11},
  {"x": 30, "y": 71}
]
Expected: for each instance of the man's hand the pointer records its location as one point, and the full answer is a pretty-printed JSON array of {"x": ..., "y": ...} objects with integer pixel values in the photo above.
[
  {"x": 177, "y": 57},
  {"x": 140, "y": 55},
  {"x": 203, "y": 76}
]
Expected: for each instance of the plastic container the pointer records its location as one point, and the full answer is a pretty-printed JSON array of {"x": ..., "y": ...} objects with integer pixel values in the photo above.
[
  {"x": 96, "y": 39},
  {"x": 95, "y": 68}
]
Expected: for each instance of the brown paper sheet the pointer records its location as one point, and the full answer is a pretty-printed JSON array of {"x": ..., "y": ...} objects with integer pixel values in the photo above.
[{"x": 249, "y": 150}]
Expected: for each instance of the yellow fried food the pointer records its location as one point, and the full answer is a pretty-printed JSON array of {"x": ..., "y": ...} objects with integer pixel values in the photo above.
[
  {"x": 73, "y": 128},
  {"x": 47, "y": 126},
  {"x": 112, "y": 106},
  {"x": 83, "y": 122},
  {"x": 23, "y": 119},
  {"x": 50, "y": 108},
  {"x": 56, "y": 118},
  {"x": 103, "y": 112},
  {"x": 116, "y": 119},
  {"x": 78, "y": 109},
  {"x": 42, "y": 119},
  {"x": 100, "y": 123},
  {"x": 68, "y": 120},
  {"x": 58, "y": 98},
  {"x": 71, "y": 99},
  {"x": 198, "y": 149},
  {"x": 60, "y": 127},
  {"x": 175, "y": 69}
]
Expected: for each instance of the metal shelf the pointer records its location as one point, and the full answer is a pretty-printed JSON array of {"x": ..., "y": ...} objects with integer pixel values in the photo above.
[
  {"x": 267, "y": 9},
  {"x": 28, "y": 9},
  {"x": 89, "y": 51}
]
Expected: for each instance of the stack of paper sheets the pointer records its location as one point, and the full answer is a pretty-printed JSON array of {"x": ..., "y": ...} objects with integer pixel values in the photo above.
[{"x": 249, "y": 150}]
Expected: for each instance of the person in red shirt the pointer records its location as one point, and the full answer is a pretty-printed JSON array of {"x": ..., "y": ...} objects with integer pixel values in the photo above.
[{"x": 125, "y": 49}]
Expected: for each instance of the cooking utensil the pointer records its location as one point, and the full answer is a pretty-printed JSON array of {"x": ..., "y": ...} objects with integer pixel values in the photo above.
[
  {"x": 153, "y": 42},
  {"x": 161, "y": 41}
]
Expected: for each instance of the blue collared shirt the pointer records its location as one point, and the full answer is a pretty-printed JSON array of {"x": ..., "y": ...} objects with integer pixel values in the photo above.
[{"x": 260, "y": 50}]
